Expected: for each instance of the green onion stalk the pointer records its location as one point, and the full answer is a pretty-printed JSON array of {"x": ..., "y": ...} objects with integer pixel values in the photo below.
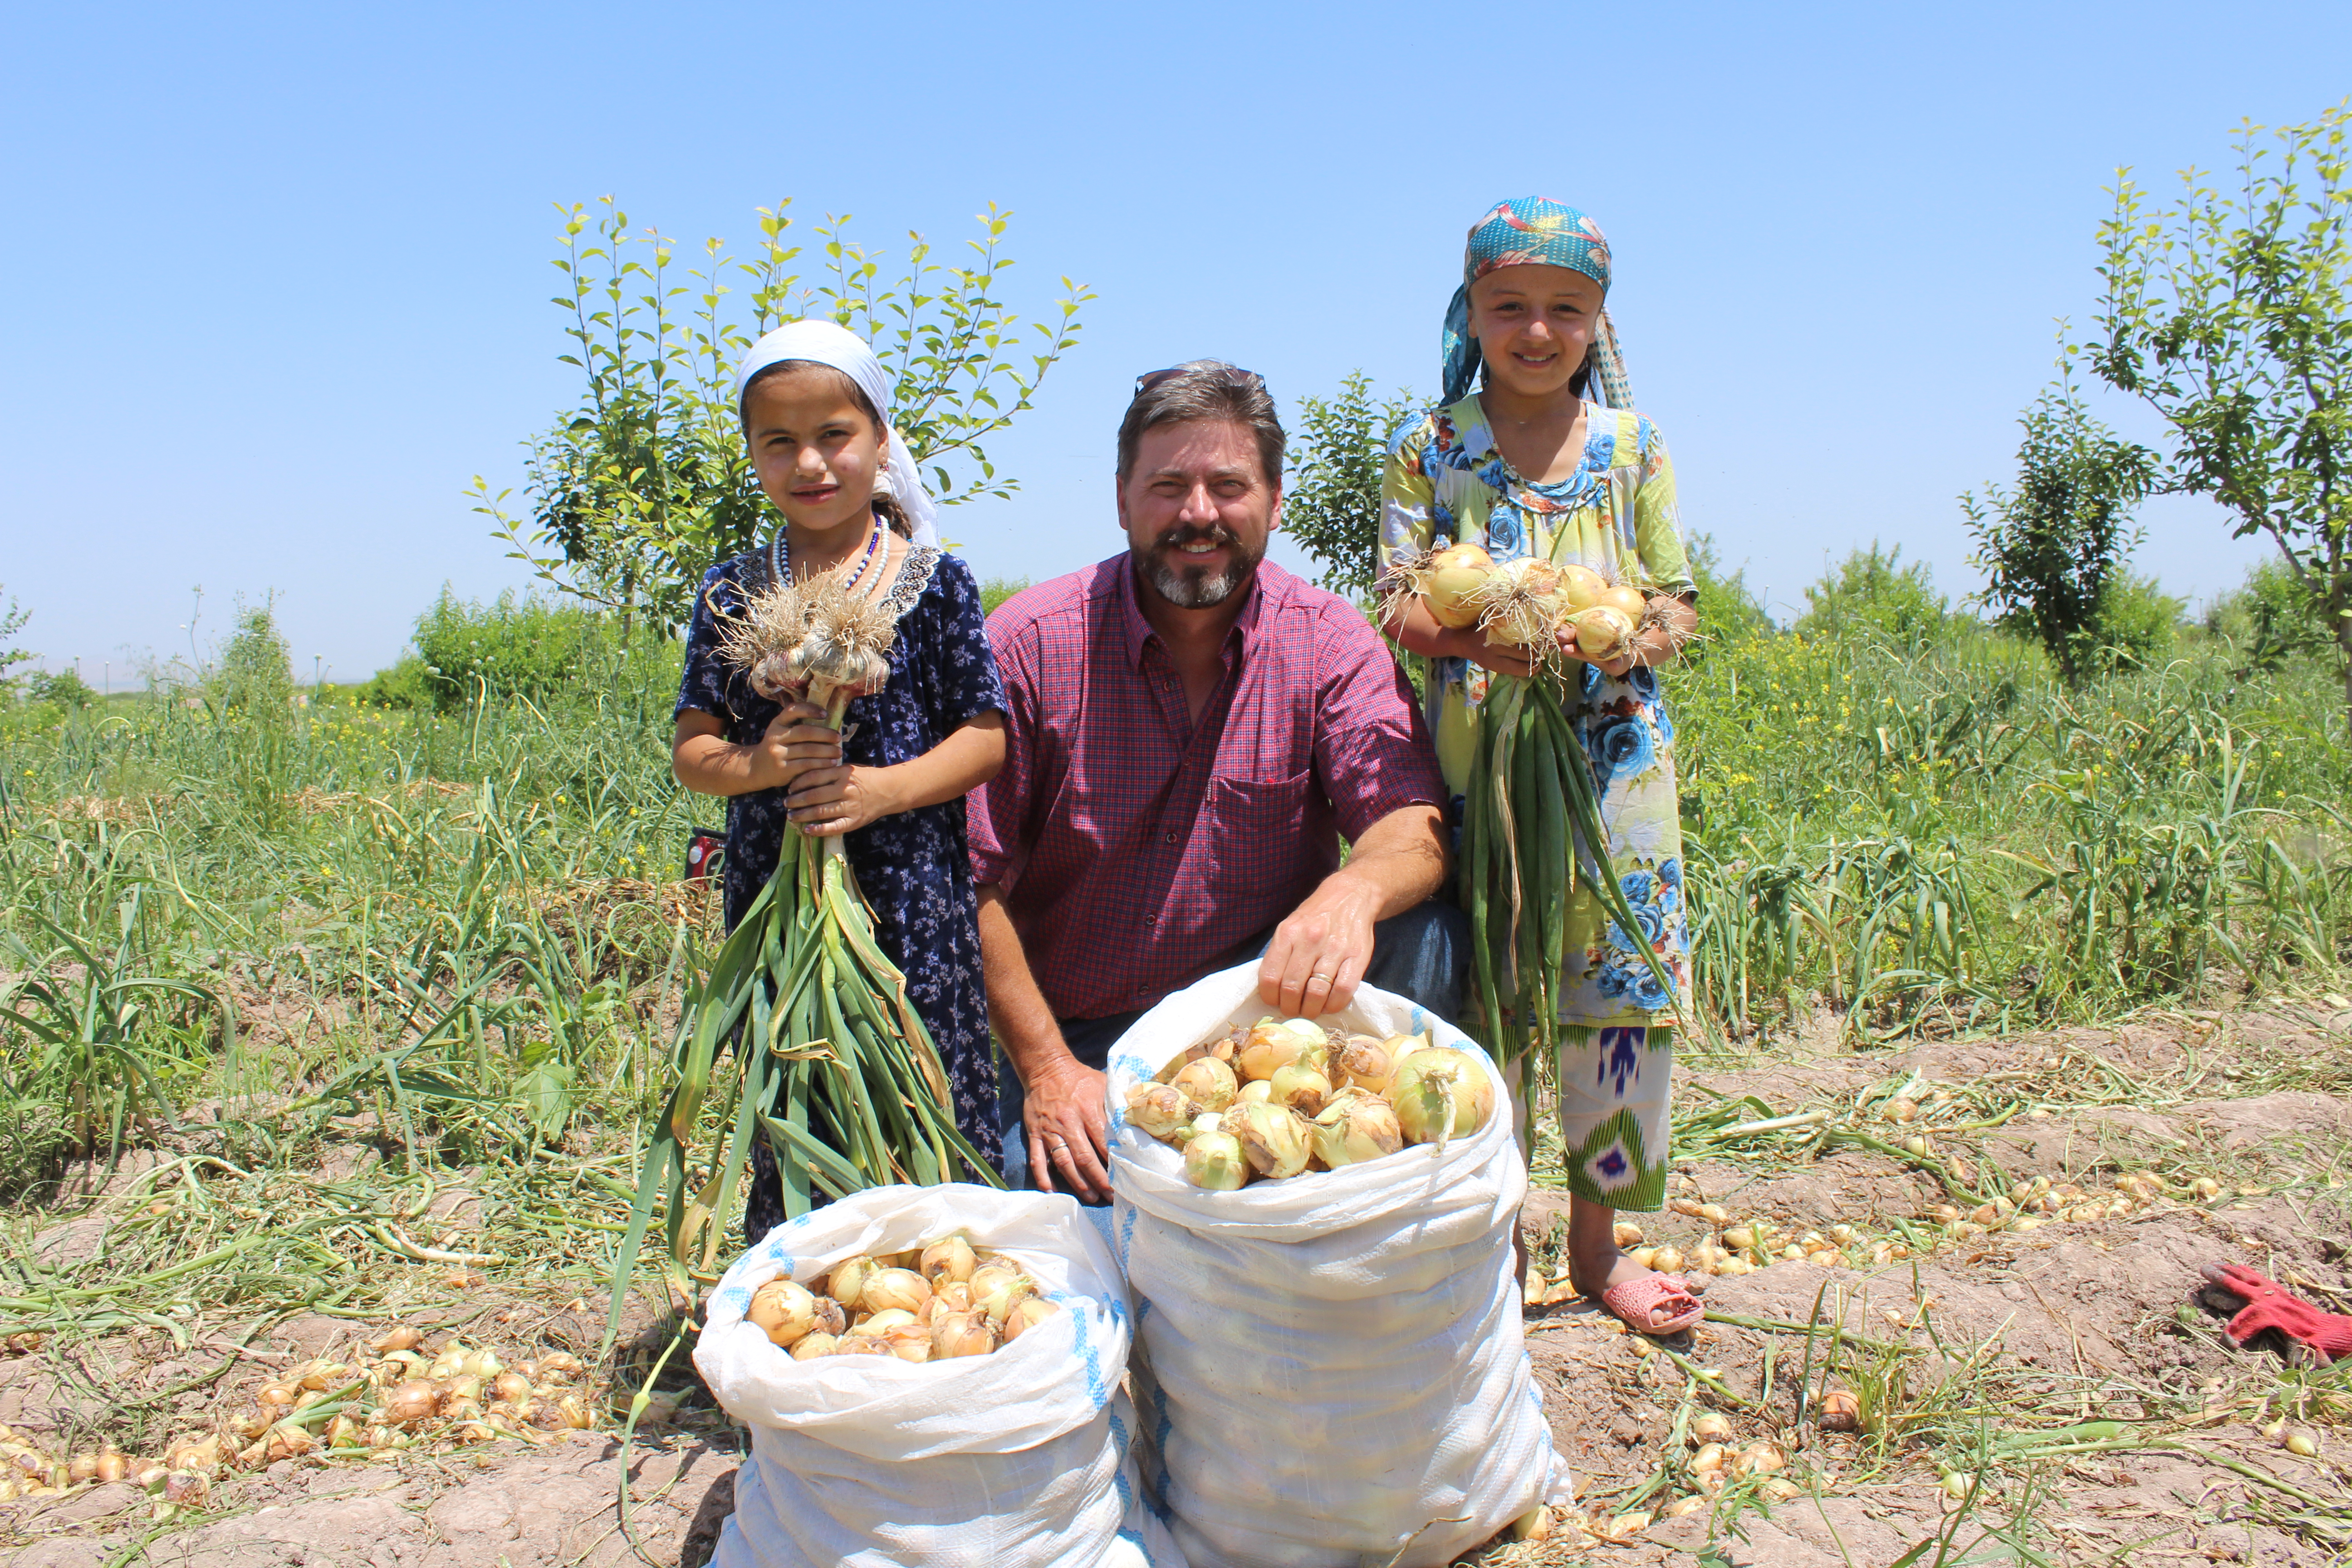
[
  {"x": 833, "y": 1066},
  {"x": 1531, "y": 826}
]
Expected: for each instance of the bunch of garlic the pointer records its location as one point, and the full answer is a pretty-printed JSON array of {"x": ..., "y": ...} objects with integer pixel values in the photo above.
[
  {"x": 1278, "y": 1098},
  {"x": 940, "y": 1301}
]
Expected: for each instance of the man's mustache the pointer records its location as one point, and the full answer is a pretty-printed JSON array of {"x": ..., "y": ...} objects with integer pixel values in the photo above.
[{"x": 1216, "y": 533}]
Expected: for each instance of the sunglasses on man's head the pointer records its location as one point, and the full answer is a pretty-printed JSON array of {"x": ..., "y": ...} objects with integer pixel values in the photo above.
[{"x": 1152, "y": 378}]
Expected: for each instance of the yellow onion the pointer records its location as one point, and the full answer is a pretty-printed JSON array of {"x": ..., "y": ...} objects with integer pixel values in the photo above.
[
  {"x": 275, "y": 1396},
  {"x": 1441, "y": 1094},
  {"x": 1215, "y": 1161},
  {"x": 1032, "y": 1312},
  {"x": 402, "y": 1337},
  {"x": 1710, "y": 1457},
  {"x": 512, "y": 1387},
  {"x": 830, "y": 1317},
  {"x": 113, "y": 1466},
  {"x": 908, "y": 1342},
  {"x": 81, "y": 1468},
  {"x": 559, "y": 1364},
  {"x": 1258, "y": 1090},
  {"x": 1274, "y": 1137},
  {"x": 482, "y": 1363},
  {"x": 878, "y": 1323},
  {"x": 1225, "y": 1048},
  {"x": 1666, "y": 1260},
  {"x": 1900, "y": 1108},
  {"x": 847, "y": 1284},
  {"x": 1603, "y": 633},
  {"x": 1299, "y": 1087},
  {"x": 855, "y": 1343},
  {"x": 990, "y": 1278},
  {"x": 1449, "y": 580},
  {"x": 1272, "y": 1045},
  {"x": 1003, "y": 1298},
  {"x": 949, "y": 1258},
  {"x": 814, "y": 1345},
  {"x": 1626, "y": 1233},
  {"x": 1159, "y": 1109},
  {"x": 782, "y": 1311},
  {"x": 197, "y": 1453},
  {"x": 1521, "y": 602},
  {"x": 1581, "y": 587},
  {"x": 896, "y": 1287},
  {"x": 1208, "y": 1083},
  {"x": 1841, "y": 1411},
  {"x": 1366, "y": 1063},
  {"x": 1354, "y": 1127},
  {"x": 955, "y": 1296},
  {"x": 1628, "y": 602},
  {"x": 1760, "y": 1459},
  {"x": 1711, "y": 1426},
  {"x": 185, "y": 1489},
  {"x": 411, "y": 1402},
  {"x": 957, "y": 1334}
]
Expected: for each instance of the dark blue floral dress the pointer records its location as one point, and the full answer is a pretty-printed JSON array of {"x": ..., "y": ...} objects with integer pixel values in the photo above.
[{"x": 913, "y": 869}]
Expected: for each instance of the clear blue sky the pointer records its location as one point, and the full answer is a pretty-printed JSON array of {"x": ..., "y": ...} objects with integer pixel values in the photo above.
[{"x": 277, "y": 283}]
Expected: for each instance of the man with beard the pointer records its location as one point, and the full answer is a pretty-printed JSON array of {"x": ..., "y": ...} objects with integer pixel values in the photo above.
[{"x": 1191, "y": 732}]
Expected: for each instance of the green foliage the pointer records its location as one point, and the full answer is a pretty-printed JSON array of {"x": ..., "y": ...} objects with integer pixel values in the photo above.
[
  {"x": 2053, "y": 549},
  {"x": 2272, "y": 617},
  {"x": 2138, "y": 622},
  {"x": 12, "y": 621},
  {"x": 1728, "y": 609},
  {"x": 2227, "y": 314},
  {"x": 254, "y": 674},
  {"x": 65, "y": 688},
  {"x": 518, "y": 647},
  {"x": 996, "y": 590},
  {"x": 1871, "y": 592},
  {"x": 1331, "y": 497},
  {"x": 645, "y": 483}
]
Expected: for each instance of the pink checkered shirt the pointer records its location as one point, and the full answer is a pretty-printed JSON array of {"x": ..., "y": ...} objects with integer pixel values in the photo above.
[{"x": 1137, "y": 848}]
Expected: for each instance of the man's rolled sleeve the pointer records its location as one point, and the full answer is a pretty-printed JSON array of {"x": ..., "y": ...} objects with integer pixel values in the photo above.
[{"x": 1372, "y": 748}]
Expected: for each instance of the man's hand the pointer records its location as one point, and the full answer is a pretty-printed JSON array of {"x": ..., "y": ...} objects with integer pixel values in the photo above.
[
  {"x": 1063, "y": 1115},
  {"x": 1319, "y": 954}
]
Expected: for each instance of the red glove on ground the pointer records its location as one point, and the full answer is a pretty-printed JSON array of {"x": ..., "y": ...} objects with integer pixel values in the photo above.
[{"x": 2271, "y": 1305}]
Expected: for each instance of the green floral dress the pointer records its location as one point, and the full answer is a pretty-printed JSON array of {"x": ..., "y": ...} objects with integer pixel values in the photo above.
[{"x": 1446, "y": 482}]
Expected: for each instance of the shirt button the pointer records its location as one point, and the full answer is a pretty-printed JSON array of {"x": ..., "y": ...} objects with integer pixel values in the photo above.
[{"x": 1171, "y": 838}]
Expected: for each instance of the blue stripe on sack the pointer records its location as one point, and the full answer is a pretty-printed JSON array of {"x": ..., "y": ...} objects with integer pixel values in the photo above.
[
  {"x": 1131, "y": 1538},
  {"x": 1095, "y": 1389}
]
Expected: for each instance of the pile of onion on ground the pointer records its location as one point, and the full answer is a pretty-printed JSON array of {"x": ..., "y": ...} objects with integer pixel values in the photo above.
[
  {"x": 1276, "y": 1100},
  {"x": 459, "y": 1394},
  {"x": 937, "y": 1303}
]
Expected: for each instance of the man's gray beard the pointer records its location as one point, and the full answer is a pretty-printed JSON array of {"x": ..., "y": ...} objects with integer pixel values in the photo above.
[{"x": 1187, "y": 590}]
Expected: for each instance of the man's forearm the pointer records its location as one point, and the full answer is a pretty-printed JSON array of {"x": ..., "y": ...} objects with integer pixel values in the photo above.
[
  {"x": 1400, "y": 860},
  {"x": 1016, "y": 1005}
]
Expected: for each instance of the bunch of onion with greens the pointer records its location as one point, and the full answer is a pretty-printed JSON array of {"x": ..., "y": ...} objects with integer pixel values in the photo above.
[
  {"x": 832, "y": 1064},
  {"x": 1531, "y": 814}
]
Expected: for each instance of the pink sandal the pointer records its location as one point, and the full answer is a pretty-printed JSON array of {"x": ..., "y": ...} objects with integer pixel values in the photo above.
[{"x": 1635, "y": 1301}]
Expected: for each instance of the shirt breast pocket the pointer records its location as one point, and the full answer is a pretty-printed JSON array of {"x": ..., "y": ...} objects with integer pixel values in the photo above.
[{"x": 1253, "y": 816}]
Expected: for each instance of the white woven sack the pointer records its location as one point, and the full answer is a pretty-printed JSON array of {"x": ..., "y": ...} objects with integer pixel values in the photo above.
[
  {"x": 1017, "y": 1459},
  {"x": 1332, "y": 1367}
]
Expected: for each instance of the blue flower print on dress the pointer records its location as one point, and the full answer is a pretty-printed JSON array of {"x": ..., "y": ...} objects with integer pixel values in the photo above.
[
  {"x": 1442, "y": 529},
  {"x": 1620, "y": 746},
  {"x": 1629, "y": 980},
  {"x": 1505, "y": 537}
]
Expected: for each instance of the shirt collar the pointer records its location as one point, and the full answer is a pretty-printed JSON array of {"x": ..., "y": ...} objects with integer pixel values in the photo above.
[{"x": 1138, "y": 631}]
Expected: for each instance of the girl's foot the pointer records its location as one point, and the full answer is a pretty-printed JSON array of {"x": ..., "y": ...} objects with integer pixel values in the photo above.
[{"x": 1646, "y": 1301}]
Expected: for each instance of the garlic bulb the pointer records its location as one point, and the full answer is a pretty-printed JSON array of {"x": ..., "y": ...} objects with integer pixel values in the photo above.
[
  {"x": 1208, "y": 1083},
  {"x": 1215, "y": 1161},
  {"x": 1275, "y": 1139},
  {"x": 1354, "y": 1127},
  {"x": 1299, "y": 1087},
  {"x": 1158, "y": 1109},
  {"x": 1441, "y": 1094}
]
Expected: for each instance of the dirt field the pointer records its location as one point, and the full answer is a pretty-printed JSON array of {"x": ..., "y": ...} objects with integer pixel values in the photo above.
[{"x": 1974, "y": 1355}]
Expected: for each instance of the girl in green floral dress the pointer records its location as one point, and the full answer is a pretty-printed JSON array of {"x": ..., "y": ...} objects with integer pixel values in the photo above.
[{"x": 1548, "y": 457}]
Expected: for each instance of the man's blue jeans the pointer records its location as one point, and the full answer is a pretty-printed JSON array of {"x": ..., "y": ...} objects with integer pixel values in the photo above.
[{"x": 1422, "y": 956}]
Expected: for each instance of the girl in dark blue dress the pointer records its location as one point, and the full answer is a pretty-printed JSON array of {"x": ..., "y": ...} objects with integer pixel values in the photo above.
[{"x": 811, "y": 394}]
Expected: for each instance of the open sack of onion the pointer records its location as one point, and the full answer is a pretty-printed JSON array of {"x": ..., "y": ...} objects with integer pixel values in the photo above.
[
  {"x": 938, "y": 1302},
  {"x": 1282, "y": 1098}
]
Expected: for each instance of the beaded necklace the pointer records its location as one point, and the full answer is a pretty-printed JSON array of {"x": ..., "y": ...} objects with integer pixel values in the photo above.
[{"x": 780, "y": 556}]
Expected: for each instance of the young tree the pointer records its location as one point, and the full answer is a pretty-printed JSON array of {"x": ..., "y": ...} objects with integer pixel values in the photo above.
[
  {"x": 2226, "y": 311},
  {"x": 2053, "y": 549},
  {"x": 645, "y": 483},
  {"x": 1331, "y": 500}
]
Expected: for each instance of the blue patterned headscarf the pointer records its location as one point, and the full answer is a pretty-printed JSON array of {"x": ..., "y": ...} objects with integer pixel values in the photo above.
[{"x": 1516, "y": 233}]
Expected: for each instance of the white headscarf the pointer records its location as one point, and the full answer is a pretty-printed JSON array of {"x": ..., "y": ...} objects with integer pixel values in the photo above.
[{"x": 827, "y": 342}]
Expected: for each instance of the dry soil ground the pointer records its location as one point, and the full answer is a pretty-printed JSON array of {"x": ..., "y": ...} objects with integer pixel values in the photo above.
[{"x": 1966, "y": 1342}]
